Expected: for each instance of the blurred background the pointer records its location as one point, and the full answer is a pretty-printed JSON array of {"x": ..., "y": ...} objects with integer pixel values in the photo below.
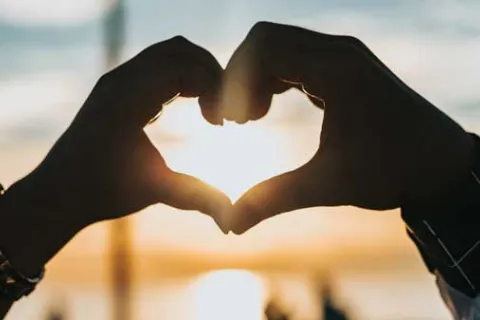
[{"x": 166, "y": 264}]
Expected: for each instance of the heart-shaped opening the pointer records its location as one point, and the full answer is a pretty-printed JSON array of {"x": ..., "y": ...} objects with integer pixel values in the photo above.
[{"x": 235, "y": 157}]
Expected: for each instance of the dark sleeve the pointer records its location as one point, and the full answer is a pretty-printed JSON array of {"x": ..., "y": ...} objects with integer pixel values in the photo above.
[
  {"x": 4, "y": 308},
  {"x": 447, "y": 232}
]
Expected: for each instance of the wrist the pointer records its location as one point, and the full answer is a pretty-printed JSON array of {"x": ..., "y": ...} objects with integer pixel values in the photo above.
[
  {"x": 446, "y": 230},
  {"x": 440, "y": 177},
  {"x": 32, "y": 227}
]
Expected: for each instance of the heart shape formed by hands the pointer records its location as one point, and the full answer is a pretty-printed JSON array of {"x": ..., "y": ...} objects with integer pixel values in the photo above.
[{"x": 382, "y": 144}]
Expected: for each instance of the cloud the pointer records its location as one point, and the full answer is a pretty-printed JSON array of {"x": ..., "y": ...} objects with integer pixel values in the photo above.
[
  {"x": 47, "y": 12},
  {"x": 432, "y": 45},
  {"x": 426, "y": 45},
  {"x": 38, "y": 107}
]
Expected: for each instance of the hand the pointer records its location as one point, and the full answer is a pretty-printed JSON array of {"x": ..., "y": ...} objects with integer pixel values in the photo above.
[
  {"x": 381, "y": 145},
  {"x": 117, "y": 169},
  {"x": 104, "y": 166}
]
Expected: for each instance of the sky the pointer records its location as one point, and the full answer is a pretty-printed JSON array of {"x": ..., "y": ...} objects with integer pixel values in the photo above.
[
  {"x": 432, "y": 45},
  {"x": 51, "y": 55}
]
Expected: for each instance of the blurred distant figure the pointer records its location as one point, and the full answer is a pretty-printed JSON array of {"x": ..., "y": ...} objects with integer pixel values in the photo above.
[
  {"x": 273, "y": 311},
  {"x": 331, "y": 311},
  {"x": 57, "y": 309},
  {"x": 56, "y": 314}
]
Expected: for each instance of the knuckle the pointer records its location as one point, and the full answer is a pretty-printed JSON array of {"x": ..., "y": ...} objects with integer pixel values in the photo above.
[
  {"x": 262, "y": 26},
  {"x": 170, "y": 44},
  {"x": 261, "y": 30},
  {"x": 106, "y": 79},
  {"x": 352, "y": 41},
  {"x": 150, "y": 50},
  {"x": 178, "y": 41},
  {"x": 104, "y": 86},
  {"x": 261, "y": 37}
]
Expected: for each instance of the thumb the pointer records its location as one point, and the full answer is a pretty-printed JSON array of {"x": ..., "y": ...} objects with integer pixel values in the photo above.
[
  {"x": 185, "y": 192},
  {"x": 304, "y": 187}
]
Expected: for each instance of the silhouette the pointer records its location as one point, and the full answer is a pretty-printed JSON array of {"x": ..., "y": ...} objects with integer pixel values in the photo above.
[
  {"x": 331, "y": 310},
  {"x": 105, "y": 167},
  {"x": 56, "y": 313},
  {"x": 273, "y": 311}
]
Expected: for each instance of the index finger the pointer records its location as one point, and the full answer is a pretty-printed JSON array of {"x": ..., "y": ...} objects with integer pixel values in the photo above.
[
  {"x": 274, "y": 58},
  {"x": 135, "y": 92},
  {"x": 269, "y": 61}
]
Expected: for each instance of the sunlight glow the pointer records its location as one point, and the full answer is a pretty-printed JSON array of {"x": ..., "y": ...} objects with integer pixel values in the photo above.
[
  {"x": 235, "y": 157},
  {"x": 231, "y": 157},
  {"x": 228, "y": 294}
]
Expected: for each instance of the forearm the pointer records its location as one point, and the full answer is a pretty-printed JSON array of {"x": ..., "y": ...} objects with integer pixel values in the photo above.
[
  {"x": 32, "y": 230},
  {"x": 4, "y": 308},
  {"x": 447, "y": 236}
]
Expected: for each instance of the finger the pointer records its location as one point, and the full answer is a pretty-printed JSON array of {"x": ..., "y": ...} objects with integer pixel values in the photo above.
[
  {"x": 316, "y": 63},
  {"x": 320, "y": 182},
  {"x": 138, "y": 89},
  {"x": 200, "y": 76},
  {"x": 150, "y": 181},
  {"x": 188, "y": 68},
  {"x": 205, "y": 74},
  {"x": 272, "y": 59},
  {"x": 209, "y": 106},
  {"x": 247, "y": 87},
  {"x": 283, "y": 193},
  {"x": 188, "y": 193}
]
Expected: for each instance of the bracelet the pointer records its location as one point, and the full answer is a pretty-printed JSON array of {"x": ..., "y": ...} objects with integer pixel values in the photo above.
[{"x": 13, "y": 284}]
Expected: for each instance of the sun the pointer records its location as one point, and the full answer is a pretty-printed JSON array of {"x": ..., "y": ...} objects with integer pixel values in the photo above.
[
  {"x": 233, "y": 158},
  {"x": 228, "y": 294}
]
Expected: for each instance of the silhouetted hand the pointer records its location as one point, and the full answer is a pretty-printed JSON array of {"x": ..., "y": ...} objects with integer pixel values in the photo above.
[
  {"x": 104, "y": 166},
  {"x": 381, "y": 145}
]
